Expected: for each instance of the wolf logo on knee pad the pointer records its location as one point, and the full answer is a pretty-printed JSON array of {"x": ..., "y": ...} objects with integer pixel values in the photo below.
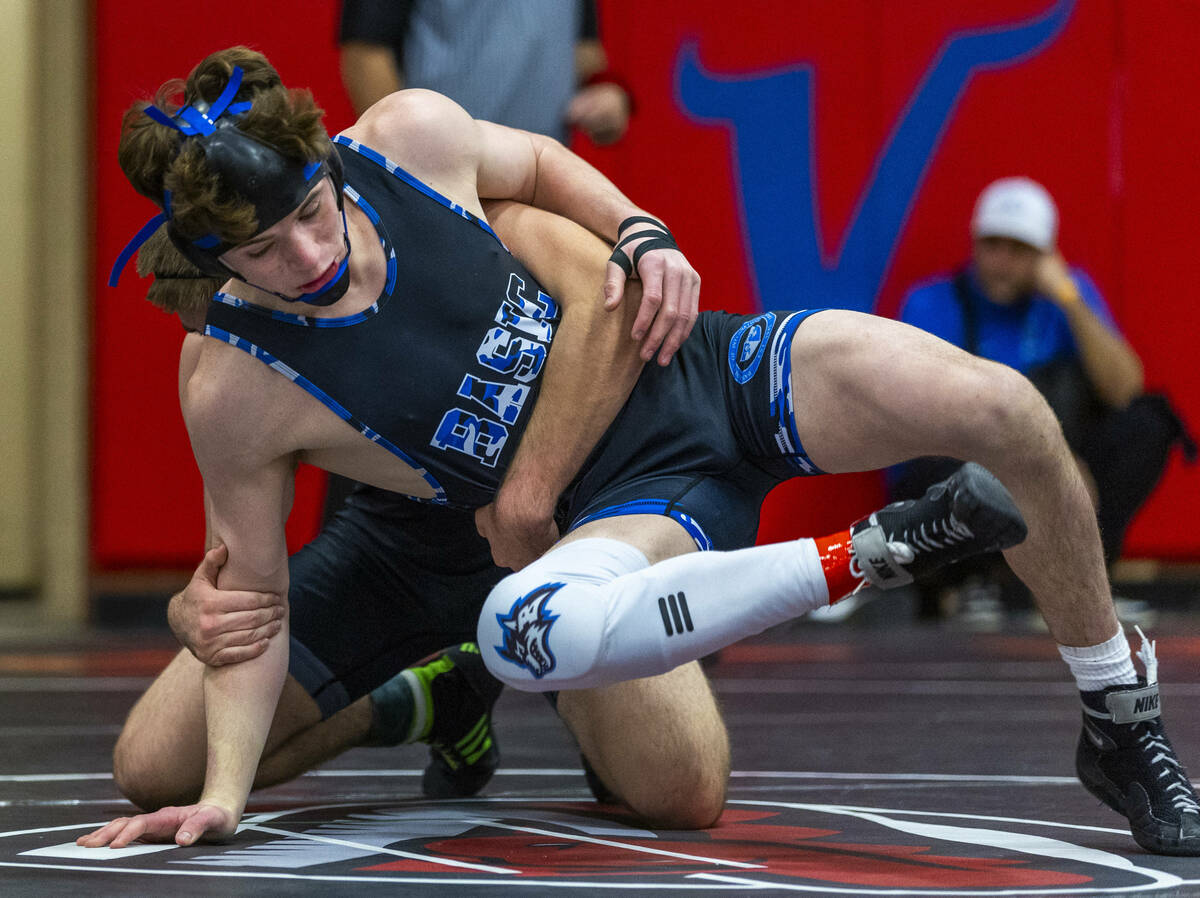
[{"x": 526, "y": 629}]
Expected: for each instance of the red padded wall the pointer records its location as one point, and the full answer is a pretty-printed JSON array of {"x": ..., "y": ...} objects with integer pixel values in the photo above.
[{"x": 1102, "y": 116}]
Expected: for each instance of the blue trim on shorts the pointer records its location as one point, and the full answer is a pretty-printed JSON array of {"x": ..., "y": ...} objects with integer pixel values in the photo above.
[
  {"x": 787, "y": 438},
  {"x": 390, "y": 166},
  {"x": 651, "y": 506},
  {"x": 332, "y": 404}
]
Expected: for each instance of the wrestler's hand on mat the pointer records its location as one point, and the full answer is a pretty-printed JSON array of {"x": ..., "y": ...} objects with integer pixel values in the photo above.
[
  {"x": 223, "y": 626},
  {"x": 184, "y": 826},
  {"x": 517, "y": 536},
  {"x": 670, "y": 286}
]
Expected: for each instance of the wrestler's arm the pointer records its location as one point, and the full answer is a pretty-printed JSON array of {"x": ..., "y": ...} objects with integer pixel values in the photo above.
[
  {"x": 467, "y": 158},
  {"x": 218, "y": 626},
  {"x": 247, "y": 501},
  {"x": 569, "y": 263}
]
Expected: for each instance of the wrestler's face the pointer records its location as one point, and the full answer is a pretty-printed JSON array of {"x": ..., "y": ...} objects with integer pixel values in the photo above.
[
  {"x": 1006, "y": 268},
  {"x": 298, "y": 254}
]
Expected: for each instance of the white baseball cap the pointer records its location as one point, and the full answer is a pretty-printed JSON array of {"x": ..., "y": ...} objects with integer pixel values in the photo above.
[{"x": 1019, "y": 208}]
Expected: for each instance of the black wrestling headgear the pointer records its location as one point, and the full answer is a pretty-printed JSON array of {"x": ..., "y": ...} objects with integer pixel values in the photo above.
[{"x": 258, "y": 173}]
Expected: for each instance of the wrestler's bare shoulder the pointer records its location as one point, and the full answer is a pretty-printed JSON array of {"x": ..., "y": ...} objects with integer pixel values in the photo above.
[
  {"x": 231, "y": 401},
  {"x": 428, "y": 135}
]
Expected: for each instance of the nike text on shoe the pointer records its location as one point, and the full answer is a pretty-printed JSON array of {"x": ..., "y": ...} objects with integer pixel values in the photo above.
[
  {"x": 968, "y": 513},
  {"x": 1125, "y": 759}
]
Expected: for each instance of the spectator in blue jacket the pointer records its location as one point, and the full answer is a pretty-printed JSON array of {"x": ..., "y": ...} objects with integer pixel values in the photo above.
[{"x": 1019, "y": 303}]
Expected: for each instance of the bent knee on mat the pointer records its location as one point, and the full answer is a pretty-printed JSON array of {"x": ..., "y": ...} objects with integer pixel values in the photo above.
[
  {"x": 151, "y": 785},
  {"x": 681, "y": 797},
  {"x": 540, "y": 635}
]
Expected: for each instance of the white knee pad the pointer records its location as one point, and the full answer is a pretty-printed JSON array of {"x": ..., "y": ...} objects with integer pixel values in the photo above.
[
  {"x": 544, "y": 627},
  {"x": 593, "y": 612}
]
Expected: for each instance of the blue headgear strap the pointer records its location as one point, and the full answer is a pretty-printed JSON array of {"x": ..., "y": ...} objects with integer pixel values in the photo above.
[
  {"x": 134, "y": 245},
  {"x": 203, "y": 119}
]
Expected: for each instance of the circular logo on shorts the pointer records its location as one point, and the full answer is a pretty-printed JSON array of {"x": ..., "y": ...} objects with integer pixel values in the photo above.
[{"x": 747, "y": 346}]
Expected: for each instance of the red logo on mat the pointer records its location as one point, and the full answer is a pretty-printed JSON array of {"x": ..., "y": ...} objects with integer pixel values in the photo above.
[
  {"x": 480, "y": 843},
  {"x": 749, "y": 845}
]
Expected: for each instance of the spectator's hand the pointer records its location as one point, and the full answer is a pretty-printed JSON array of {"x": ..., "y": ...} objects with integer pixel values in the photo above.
[
  {"x": 184, "y": 826},
  {"x": 1053, "y": 278},
  {"x": 670, "y": 287},
  {"x": 223, "y": 626},
  {"x": 517, "y": 535},
  {"x": 601, "y": 111}
]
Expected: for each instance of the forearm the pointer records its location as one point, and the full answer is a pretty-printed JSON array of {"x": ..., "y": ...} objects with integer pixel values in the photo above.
[
  {"x": 1110, "y": 363},
  {"x": 577, "y": 401},
  {"x": 576, "y": 405},
  {"x": 239, "y": 704},
  {"x": 567, "y": 185}
]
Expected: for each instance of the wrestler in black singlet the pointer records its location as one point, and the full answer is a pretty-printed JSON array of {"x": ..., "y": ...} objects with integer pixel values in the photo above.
[
  {"x": 443, "y": 370},
  {"x": 444, "y": 367}
]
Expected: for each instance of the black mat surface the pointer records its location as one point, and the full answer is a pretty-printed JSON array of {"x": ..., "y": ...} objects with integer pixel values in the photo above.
[{"x": 894, "y": 760}]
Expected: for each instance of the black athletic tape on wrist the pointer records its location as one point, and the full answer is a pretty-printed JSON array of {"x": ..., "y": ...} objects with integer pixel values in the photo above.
[
  {"x": 660, "y": 238},
  {"x": 643, "y": 248},
  {"x": 618, "y": 256},
  {"x": 643, "y": 219},
  {"x": 661, "y": 235}
]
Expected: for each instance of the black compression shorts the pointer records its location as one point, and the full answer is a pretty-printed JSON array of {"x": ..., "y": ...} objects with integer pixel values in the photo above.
[
  {"x": 386, "y": 583},
  {"x": 704, "y": 439}
]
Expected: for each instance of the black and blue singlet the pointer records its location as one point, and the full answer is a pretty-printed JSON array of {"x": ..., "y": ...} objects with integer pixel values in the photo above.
[{"x": 443, "y": 368}]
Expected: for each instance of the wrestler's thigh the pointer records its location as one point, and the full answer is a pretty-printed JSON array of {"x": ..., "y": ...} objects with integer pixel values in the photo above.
[
  {"x": 160, "y": 754},
  {"x": 868, "y": 392},
  {"x": 659, "y": 743}
]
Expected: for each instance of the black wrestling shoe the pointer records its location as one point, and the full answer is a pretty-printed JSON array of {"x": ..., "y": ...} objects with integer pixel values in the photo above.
[
  {"x": 447, "y": 703},
  {"x": 463, "y": 753},
  {"x": 1125, "y": 759},
  {"x": 968, "y": 513}
]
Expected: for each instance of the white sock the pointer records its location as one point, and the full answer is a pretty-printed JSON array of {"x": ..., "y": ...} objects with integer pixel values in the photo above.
[
  {"x": 593, "y": 612},
  {"x": 1097, "y": 666}
]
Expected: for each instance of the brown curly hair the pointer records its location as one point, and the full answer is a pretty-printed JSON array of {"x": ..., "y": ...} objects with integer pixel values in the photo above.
[
  {"x": 156, "y": 157},
  {"x": 179, "y": 286}
]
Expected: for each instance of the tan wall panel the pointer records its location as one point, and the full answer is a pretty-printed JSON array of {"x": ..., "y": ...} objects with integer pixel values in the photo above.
[
  {"x": 18, "y": 542},
  {"x": 61, "y": 325},
  {"x": 43, "y": 304}
]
